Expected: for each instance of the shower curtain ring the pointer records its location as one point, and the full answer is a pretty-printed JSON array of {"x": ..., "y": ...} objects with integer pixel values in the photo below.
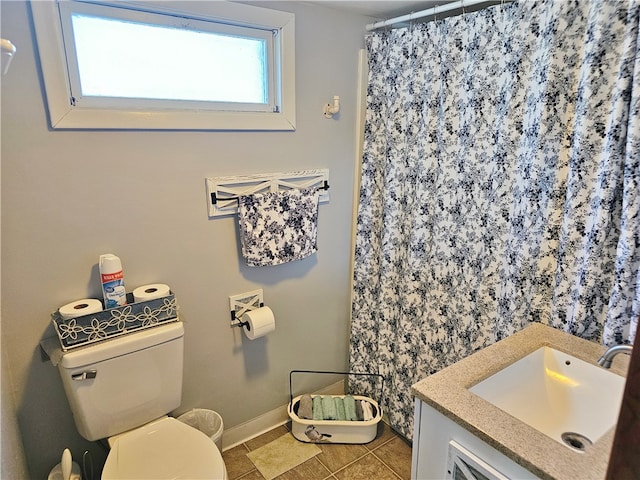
[{"x": 412, "y": 21}]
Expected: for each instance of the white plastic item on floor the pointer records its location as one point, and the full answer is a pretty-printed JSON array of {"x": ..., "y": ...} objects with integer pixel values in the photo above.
[{"x": 335, "y": 431}]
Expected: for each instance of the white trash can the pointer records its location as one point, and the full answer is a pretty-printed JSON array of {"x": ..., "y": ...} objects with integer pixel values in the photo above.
[{"x": 207, "y": 421}]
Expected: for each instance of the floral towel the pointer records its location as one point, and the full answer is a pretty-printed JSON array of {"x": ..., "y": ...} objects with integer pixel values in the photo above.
[{"x": 278, "y": 227}]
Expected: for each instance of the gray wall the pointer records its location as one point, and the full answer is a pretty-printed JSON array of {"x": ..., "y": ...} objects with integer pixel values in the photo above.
[
  {"x": 68, "y": 196},
  {"x": 13, "y": 464}
]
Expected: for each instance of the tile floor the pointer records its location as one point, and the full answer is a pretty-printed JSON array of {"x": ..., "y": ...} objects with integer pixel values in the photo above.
[{"x": 387, "y": 457}]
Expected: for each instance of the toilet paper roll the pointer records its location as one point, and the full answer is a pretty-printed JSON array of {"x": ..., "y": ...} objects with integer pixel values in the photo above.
[
  {"x": 86, "y": 306},
  {"x": 150, "y": 292},
  {"x": 260, "y": 322}
]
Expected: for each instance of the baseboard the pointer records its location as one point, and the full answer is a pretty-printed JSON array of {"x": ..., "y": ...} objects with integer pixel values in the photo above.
[{"x": 234, "y": 436}]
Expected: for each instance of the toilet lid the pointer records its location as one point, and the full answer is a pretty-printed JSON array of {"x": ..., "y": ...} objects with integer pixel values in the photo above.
[{"x": 167, "y": 449}]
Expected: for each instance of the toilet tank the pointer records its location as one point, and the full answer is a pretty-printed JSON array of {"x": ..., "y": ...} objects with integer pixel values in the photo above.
[{"x": 119, "y": 384}]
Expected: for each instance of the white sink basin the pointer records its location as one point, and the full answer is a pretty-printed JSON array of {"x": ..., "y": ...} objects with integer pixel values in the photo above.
[{"x": 557, "y": 394}]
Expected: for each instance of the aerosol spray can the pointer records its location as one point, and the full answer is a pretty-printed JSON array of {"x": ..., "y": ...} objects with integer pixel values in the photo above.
[{"x": 112, "y": 281}]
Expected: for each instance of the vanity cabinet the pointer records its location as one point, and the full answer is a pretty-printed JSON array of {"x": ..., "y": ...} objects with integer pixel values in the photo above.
[
  {"x": 442, "y": 449},
  {"x": 452, "y": 421}
]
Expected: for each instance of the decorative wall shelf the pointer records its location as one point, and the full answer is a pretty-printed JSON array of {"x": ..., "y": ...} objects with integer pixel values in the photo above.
[{"x": 222, "y": 192}]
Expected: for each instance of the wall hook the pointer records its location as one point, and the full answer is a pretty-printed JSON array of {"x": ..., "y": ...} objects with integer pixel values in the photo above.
[
  {"x": 8, "y": 49},
  {"x": 330, "y": 110}
]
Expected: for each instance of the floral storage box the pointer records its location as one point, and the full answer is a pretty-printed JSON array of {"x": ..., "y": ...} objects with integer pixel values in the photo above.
[{"x": 96, "y": 327}]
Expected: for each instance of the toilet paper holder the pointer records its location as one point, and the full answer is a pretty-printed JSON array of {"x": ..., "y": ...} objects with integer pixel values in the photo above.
[
  {"x": 239, "y": 322},
  {"x": 242, "y": 303}
]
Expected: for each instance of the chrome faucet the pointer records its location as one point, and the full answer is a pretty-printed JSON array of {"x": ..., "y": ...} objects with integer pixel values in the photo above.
[{"x": 606, "y": 359}]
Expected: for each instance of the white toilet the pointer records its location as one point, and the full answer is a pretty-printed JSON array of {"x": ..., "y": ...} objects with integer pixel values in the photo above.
[{"x": 122, "y": 389}]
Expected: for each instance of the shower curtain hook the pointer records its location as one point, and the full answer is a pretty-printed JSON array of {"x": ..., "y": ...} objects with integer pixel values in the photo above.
[{"x": 462, "y": 3}]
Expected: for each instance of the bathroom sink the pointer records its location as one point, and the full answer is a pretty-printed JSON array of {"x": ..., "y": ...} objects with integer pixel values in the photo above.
[{"x": 567, "y": 399}]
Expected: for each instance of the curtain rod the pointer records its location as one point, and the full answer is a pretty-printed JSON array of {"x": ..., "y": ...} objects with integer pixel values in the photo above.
[{"x": 425, "y": 13}]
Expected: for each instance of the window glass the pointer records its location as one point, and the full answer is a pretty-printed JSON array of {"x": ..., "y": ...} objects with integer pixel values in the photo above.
[{"x": 125, "y": 59}]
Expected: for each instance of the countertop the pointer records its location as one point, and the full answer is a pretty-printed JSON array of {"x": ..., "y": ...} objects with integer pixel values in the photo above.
[{"x": 447, "y": 392}]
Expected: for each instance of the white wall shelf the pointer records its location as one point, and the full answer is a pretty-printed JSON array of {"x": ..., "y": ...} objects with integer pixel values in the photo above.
[{"x": 222, "y": 192}]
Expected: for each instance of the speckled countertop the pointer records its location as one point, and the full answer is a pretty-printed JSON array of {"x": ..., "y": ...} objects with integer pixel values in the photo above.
[{"x": 447, "y": 391}]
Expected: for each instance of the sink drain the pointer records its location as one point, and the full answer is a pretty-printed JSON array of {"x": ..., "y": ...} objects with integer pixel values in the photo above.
[{"x": 576, "y": 441}]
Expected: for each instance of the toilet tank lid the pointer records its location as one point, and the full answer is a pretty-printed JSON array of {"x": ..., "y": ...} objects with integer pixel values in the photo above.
[{"x": 128, "y": 343}]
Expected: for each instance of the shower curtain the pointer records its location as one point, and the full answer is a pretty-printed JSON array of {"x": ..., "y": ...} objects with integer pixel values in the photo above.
[{"x": 500, "y": 186}]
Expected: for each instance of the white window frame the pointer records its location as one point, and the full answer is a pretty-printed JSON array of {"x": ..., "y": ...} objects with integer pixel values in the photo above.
[{"x": 64, "y": 114}]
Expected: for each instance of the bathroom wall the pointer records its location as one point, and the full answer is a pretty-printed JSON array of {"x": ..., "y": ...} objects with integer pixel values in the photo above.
[
  {"x": 13, "y": 464},
  {"x": 68, "y": 196}
]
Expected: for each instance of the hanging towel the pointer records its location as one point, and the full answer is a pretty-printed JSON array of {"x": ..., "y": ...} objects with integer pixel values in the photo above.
[{"x": 278, "y": 227}]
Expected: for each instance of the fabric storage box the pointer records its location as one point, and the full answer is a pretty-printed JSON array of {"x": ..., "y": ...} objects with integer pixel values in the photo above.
[
  {"x": 96, "y": 327},
  {"x": 333, "y": 431}
]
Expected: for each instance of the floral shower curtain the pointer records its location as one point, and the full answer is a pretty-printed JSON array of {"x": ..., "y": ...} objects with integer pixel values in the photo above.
[{"x": 500, "y": 186}]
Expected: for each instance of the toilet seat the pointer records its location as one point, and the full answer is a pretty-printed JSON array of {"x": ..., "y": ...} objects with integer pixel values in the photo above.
[{"x": 165, "y": 449}]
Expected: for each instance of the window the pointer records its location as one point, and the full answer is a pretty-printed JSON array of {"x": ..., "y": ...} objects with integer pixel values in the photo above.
[{"x": 144, "y": 66}]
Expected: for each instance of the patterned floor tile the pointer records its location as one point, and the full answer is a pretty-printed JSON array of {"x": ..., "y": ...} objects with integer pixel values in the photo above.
[
  {"x": 376, "y": 460},
  {"x": 310, "y": 470},
  {"x": 335, "y": 456},
  {"x": 366, "y": 468},
  {"x": 237, "y": 462},
  {"x": 396, "y": 454}
]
